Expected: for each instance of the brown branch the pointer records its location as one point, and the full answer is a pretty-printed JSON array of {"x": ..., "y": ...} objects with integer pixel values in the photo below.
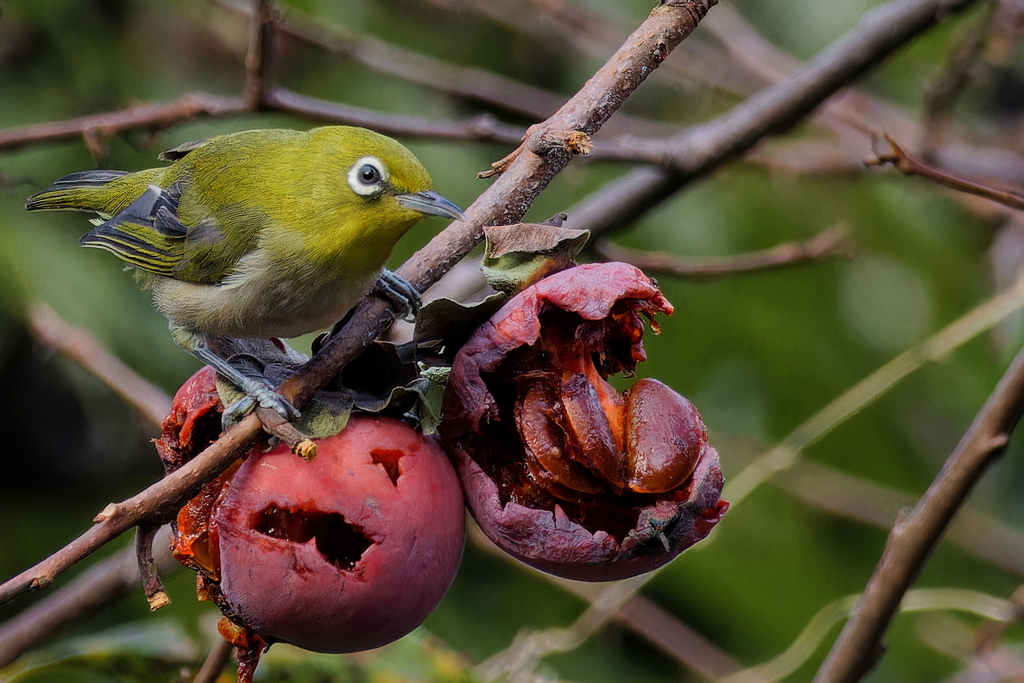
[
  {"x": 700, "y": 150},
  {"x": 908, "y": 164},
  {"x": 505, "y": 201},
  {"x": 215, "y": 662},
  {"x": 482, "y": 128},
  {"x": 188, "y": 107},
  {"x": 914, "y": 537},
  {"x": 468, "y": 82},
  {"x": 259, "y": 56},
  {"x": 828, "y": 244},
  {"x": 147, "y": 116},
  {"x": 81, "y": 347},
  {"x": 104, "y": 582},
  {"x": 159, "y": 502}
]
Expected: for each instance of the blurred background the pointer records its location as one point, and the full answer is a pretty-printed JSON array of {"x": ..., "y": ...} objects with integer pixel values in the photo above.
[{"x": 758, "y": 353}]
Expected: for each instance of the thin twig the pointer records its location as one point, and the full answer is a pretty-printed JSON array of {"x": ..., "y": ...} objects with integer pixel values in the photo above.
[
  {"x": 908, "y": 164},
  {"x": 482, "y": 128},
  {"x": 828, "y": 244},
  {"x": 152, "y": 586},
  {"x": 151, "y": 402},
  {"x": 193, "y": 105},
  {"x": 914, "y": 537}
]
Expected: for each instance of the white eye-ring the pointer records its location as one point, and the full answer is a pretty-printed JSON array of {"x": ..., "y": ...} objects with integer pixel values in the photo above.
[{"x": 367, "y": 176}]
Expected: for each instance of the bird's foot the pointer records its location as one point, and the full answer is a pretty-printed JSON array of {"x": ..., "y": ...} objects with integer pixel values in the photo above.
[
  {"x": 250, "y": 382},
  {"x": 405, "y": 298},
  {"x": 257, "y": 395}
]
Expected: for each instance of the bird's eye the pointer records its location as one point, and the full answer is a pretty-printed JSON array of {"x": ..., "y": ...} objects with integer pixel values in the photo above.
[{"x": 367, "y": 176}]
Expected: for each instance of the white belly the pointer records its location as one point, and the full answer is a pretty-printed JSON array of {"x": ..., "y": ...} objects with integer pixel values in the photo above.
[{"x": 258, "y": 302}]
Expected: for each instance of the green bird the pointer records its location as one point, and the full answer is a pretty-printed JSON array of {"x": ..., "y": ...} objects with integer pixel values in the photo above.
[{"x": 263, "y": 233}]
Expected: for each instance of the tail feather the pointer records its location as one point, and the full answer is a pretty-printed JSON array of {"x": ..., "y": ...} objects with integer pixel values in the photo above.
[{"x": 77, "y": 191}]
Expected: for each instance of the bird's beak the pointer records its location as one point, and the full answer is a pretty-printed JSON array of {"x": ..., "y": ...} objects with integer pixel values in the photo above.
[{"x": 431, "y": 204}]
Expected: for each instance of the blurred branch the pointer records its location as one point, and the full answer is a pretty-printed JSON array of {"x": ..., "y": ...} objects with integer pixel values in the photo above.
[
  {"x": 868, "y": 390},
  {"x": 505, "y": 201},
  {"x": 193, "y": 105},
  {"x": 259, "y": 57},
  {"x": 468, "y": 82},
  {"x": 942, "y": 91},
  {"x": 881, "y": 31},
  {"x": 846, "y": 495},
  {"x": 215, "y": 662},
  {"x": 701, "y": 149},
  {"x": 106, "y": 581},
  {"x": 81, "y": 347},
  {"x": 147, "y": 116},
  {"x": 827, "y": 617},
  {"x": 577, "y": 26},
  {"x": 913, "y": 538},
  {"x": 828, "y": 244},
  {"x": 642, "y": 616}
]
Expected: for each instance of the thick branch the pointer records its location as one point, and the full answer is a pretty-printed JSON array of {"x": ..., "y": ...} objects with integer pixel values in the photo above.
[{"x": 914, "y": 537}]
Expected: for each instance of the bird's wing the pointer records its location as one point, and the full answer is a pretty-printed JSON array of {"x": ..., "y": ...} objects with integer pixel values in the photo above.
[
  {"x": 181, "y": 150},
  {"x": 147, "y": 233}
]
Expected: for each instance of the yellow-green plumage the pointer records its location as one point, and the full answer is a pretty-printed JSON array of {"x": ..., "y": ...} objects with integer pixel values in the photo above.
[{"x": 261, "y": 233}]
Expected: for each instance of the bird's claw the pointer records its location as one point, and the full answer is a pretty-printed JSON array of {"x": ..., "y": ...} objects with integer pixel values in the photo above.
[
  {"x": 404, "y": 298},
  {"x": 258, "y": 395}
]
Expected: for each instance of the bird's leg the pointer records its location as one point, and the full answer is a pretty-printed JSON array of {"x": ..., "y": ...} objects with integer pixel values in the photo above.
[
  {"x": 403, "y": 296},
  {"x": 256, "y": 389}
]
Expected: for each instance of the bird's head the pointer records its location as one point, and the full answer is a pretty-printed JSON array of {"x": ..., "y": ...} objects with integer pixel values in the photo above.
[{"x": 385, "y": 188}]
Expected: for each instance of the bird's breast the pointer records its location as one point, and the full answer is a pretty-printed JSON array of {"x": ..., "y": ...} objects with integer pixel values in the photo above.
[{"x": 264, "y": 298}]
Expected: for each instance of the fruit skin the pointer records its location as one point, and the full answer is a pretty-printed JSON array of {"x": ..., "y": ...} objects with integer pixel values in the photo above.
[
  {"x": 535, "y": 514},
  {"x": 413, "y": 527},
  {"x": 550, "y": 541}
]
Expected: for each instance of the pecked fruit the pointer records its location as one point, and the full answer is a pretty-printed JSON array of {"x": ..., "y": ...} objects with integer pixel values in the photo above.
[
  {"x": 559, "y": 470},
  {"x": 347, "y": 552}
]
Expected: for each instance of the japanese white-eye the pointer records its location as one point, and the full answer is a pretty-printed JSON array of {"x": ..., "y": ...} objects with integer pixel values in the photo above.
[{"x": 263, "y": 233}]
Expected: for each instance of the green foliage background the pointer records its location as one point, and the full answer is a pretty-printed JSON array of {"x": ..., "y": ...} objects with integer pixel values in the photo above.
[{"x": 758, "y": 354}]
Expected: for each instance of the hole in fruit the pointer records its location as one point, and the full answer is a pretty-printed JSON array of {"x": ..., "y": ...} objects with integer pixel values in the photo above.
[
  {"x": 340, "y": 543},
  {"x": 388, "y": 459}
]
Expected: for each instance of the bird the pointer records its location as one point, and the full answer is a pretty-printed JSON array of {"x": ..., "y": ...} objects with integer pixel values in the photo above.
[{"x": 259, "y": 233}]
